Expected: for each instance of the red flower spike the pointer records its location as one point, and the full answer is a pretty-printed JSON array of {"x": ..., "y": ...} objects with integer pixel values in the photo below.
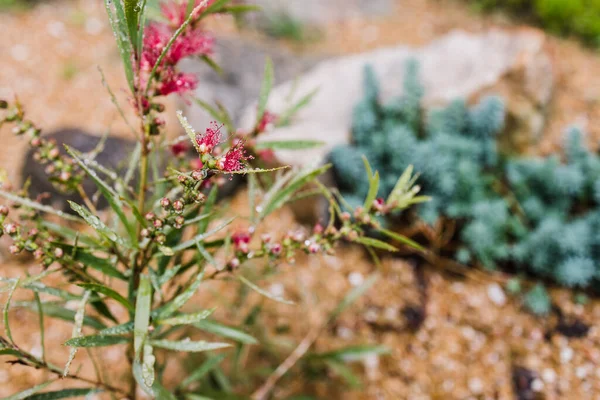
[
  {"x": 234, "y": 159},
  {"x": 194, "y": 43},
  {"x": 211, "y": 138},
  {"x": 177, "y": 12},
  {"x": 177, "y": 82}
]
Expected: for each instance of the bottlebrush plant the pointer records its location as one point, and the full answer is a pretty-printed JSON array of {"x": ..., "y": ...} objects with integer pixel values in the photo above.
[
  {"x": 539, "y": 215},
  {"x": 160, "y": 242}
]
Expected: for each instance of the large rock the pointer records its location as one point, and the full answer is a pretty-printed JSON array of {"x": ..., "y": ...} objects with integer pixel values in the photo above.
[
  {"x": 319, "y": 12},
  {"x": 460, "y": 64},
  {"x": 242, "y": 63}
]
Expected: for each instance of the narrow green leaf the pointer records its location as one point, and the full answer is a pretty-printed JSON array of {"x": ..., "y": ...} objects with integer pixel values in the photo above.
[
  {"x": 373, "y": 185},
  {"x": 225, "y": 331},
  {"x": 353, "y": 295},
  {"x": 95, "y": 223},
  {"x": 175, "y": 304},
  {"x": 188, "y": 129},
  {"x": 289, "y": 144},
  {"x": 344, "y": 372},
  {"x": 117, "y": 24},
  {"x": 115, "y": 102},
  {"x": 265, "y": 90},
  {"x": 354, "y": 353},
  {"x": 97, "y": 341},
  {"x": 142, "y": 314},
  {"x": 107, "y": 292},
  {"x": 56, "y": 311},
  {"x": 39, "y": 287},
  {"x": 113, "y": 199},
  {"x": 10, "y": 352},
  {"x": 26, "y": 393},
  {"x": 37, "y": 206},
  {"x": 202, "y": 370},
  {"x": 104, "y": 265},
  {"x": 69, "y": 233},
  {"x": 186, "y": 319},
  {"x": 77, "y": 327},
  {"x": 263, "y": 292},
  {"x": 188, "y": 345},
  {"x": 191, "y": 396},
  {"x": 367, "y": 241},
  {"x": 201, "y": 236},
  {"x": 132, "y": 11},
  {"x": 38, "y": 302},
  {"x": 275, "y": 200},
  {"x": 6, "y": 307},
  {"x": 63, "y": 394},
  {"x": 212, "y": 64},
  {"x": 287, "y": 115},
  {"x": 213, "y": 112},
  {"x": 118, "y": 329},
  {"x": 402, "y": 239}
]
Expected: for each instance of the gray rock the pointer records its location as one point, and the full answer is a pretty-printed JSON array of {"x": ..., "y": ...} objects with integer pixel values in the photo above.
[
  {"x": 319, "y": 12},
  {"x": 242, "y": 63},
  {"x": 459, "y": 65}
]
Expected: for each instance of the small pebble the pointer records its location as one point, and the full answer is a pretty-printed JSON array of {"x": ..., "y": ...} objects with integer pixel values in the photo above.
[
  {"x": 566, "y": 355},
  {"x": 496, "y": 294},
  {"x": 356, "y": 278},
  {"x": 475, "y": 385},
  {"x": 277, "y": 290},
  {"x": 19, "y": 52},
  {"x": 345, "y": 333},
  {"x": 537, "y": 385},
  {"x": 549, "y": 375},
  {"x": 93, "y": 26}
]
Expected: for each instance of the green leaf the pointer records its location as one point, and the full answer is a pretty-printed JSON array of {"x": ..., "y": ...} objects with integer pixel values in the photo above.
[
  {"x": 113, "y": 199},
  {"x": 175, "y": 304},
  {"x": 56, "y": 311},
  {"x": 63, "y": 394},
  {"x": 289, "y": 144},
  {"x": 287, "y": 115},
  {"x": 354, "y": 353},
  {"x": 104, "y": 265},
  {"x": 142, "y": 313},
  {"x": 95, "y": 223},
  {"x": 26, "y": 393},
  {"x": 202, "y": 370},
  {"x": 117, "y": 24},
  {"x": 39, "y": 287},
  {"x": 10, "y": 352},
  {"x": 277, "y": 197},
  {"x": 367, "y": 241},
  {"x": 344, "y": 372},
  {"x": 188, "y": 129},
  {"x": 118, "y": 329},
  {"x": 40, "y": 310},
  {"x": 265, "y": 90},
  {"x": 263, "y": 292},
  {"x": 132, "y": 12},
  {"x": 107, "y": 292},
  {"x": 77, "y": 327},
  {"x": 212, "y": 64},
  {"x": 37, "y": 206},
  {"x": 6, "y": 307},
  {"x": 189, "y": 345},
  {"x": 353, "y": 295},
  {"x": 97, "y": 341},
  {"x": 373, "y": 185},
  {"x": 201, "y": 236},
  {"x": 225, "y": 331},
  {"x": 71, "y": 234},
  {"x": 186, "y": 319},
  {"x": 402, "y": 239},
  {"x": 213, "y": 112}
]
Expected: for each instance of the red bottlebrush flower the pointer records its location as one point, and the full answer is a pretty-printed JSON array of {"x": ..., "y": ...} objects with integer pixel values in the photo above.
[
  {"x": 156, "y": 37},
  {"x": 192, "y": 43},
  {"x": 177, "y": 82},
  {"x": 234, "y": 159},
  {"x": 177, "y": 11},
  {"x": 179, "y": 149},
  {"x": 211, "y": 138},
  {"x": 266, "y": 122}
]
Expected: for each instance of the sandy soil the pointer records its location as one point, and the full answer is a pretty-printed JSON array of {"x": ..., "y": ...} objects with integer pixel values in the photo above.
[{"x": 467, "y": 347}]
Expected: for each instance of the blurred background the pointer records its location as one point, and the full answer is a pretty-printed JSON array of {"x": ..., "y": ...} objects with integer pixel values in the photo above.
[{"x": 454, "y": 332}]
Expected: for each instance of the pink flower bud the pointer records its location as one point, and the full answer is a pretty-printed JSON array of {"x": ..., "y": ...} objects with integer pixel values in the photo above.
[
  {"x": 14, "y": 249},
  {"x": 275, "y": 249},
  {"x": 178, "y": 205},
  {"x": 314, "y": 248},
  {"x": 157, "y": 223},
  {"x": 197, "y": 175},
  {"x": 150, "y": 216},
  {"x": 234, "y": 263},
  {"x": 165, "y": 203},
  {"x": 10, "y": 228},
  {"x": 54, "y": 153},
  {"x": 346, "y": 216},
  {"x": 318, "y": 229},
  {"x": 3, "y": 210},
  {"x": 58, "y": 252}
]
